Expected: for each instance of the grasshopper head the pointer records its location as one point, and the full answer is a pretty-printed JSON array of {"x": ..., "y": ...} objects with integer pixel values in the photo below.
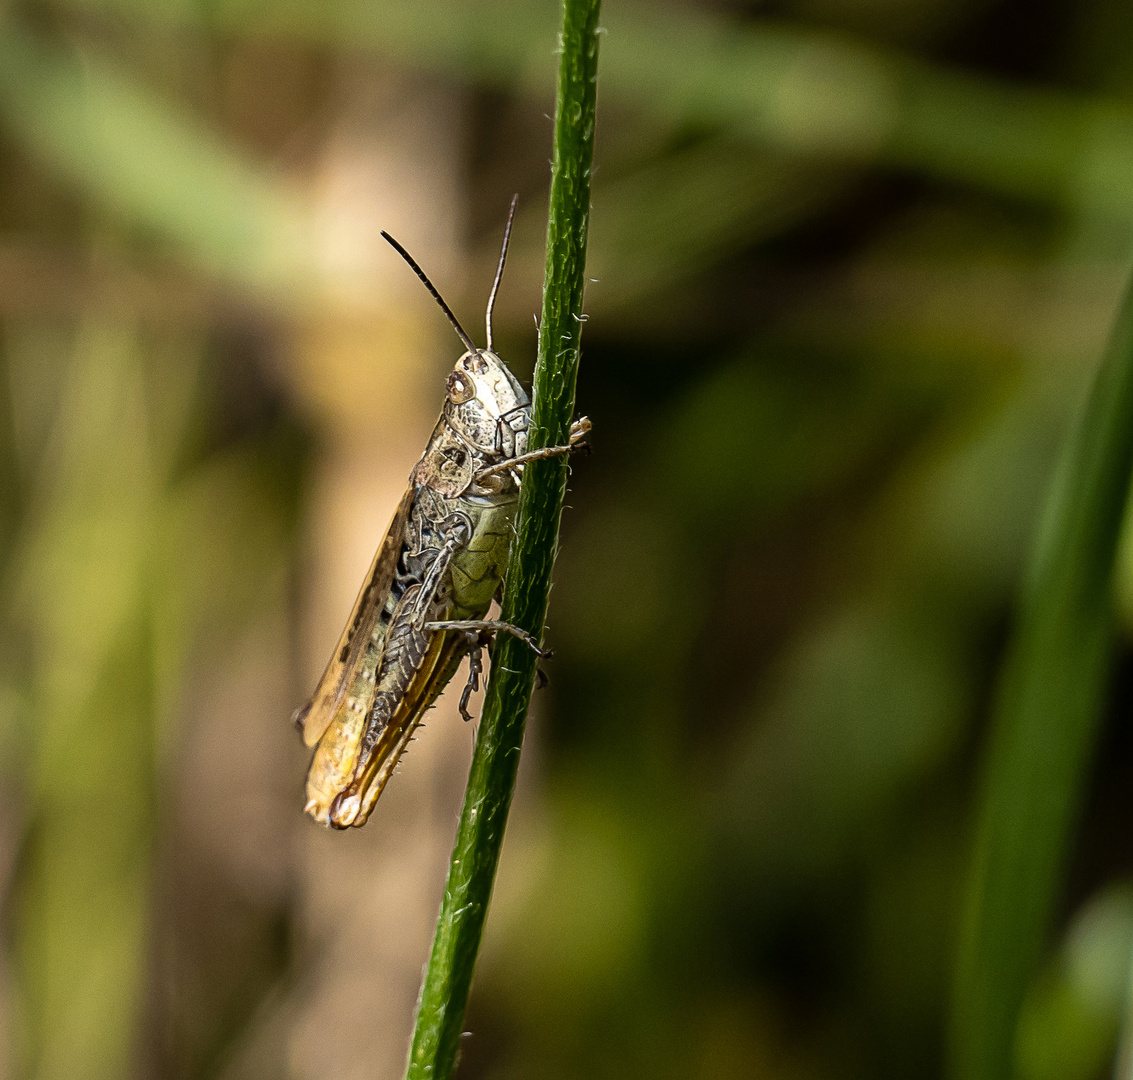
[
  {"x": 484, "y": 419},
  {"x": 481, "y": 391}
]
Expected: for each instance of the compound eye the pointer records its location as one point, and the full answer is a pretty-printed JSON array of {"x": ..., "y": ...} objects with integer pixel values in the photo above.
[{"x": 460, "y": 388}]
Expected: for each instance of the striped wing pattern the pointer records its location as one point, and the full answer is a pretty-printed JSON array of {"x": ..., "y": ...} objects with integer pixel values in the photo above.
[{"x": 315, "y": 717}]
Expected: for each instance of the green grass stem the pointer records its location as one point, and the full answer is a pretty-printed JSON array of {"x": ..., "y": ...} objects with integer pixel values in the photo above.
[
  {"x": 491, "y": 781},
  {"x": 1045, "y": 722}
]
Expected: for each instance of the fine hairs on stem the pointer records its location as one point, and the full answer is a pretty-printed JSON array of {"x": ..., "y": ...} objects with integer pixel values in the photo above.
[{"x": 491, "y": 780}]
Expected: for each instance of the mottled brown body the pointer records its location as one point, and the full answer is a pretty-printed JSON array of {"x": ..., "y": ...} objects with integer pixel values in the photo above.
[
  {"x": 442, "y": 559},
  {"x": 432, "y": 581}
]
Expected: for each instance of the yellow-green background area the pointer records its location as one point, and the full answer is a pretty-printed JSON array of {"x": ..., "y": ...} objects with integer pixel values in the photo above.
[{"x": 854, "y": 263}]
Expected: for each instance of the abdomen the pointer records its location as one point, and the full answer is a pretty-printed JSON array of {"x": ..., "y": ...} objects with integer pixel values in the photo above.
[{"x": 478, "y": 569}]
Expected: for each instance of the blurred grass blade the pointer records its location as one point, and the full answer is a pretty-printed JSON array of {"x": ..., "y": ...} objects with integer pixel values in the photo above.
[
  {"x": 146, "y": 162},
  {"x": 1045, "y": 722},
  {"x": 1123, "y": 1067},
  {"x": 795, "y": 90},
  {"x": 673, "y": 220},
  {"x": 129, "y": 557},
  {"x": 491, "y": 781},
  {"x": 82, "y": 917},
  {"x": 669, "y": 220}
]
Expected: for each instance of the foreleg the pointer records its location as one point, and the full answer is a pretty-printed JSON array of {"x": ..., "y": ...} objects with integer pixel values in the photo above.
[{"x": 576, "y": 441}]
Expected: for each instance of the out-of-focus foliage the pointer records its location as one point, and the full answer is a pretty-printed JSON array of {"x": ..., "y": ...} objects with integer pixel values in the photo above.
[
  {"x": 1048, "y": 710},
  {"x": 855, "y": 264},
  {"x": 1068, "y": 1026}
]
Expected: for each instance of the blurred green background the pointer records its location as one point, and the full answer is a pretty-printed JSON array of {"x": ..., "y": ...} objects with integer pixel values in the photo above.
[{"x": 853, "y": 263}]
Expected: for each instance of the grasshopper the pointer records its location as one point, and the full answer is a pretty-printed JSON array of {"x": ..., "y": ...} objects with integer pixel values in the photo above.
[{"x": 423, "y": 605}]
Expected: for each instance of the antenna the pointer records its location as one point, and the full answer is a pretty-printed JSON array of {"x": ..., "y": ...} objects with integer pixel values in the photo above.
[
  {"x": 433, "y": 291},
  {"x": 500, "y": 268}
]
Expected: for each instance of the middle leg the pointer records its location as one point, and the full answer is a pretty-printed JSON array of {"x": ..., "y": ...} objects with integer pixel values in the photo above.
[
  {"x": 475, "y": 670},
  {"x": 491, "y": 626}
]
